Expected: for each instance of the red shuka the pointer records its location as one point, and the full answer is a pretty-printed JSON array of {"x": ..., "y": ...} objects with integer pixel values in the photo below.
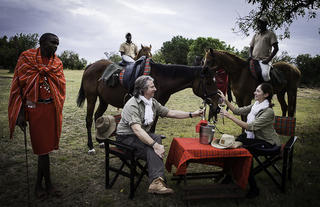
[{"x": 27, "y": 78}]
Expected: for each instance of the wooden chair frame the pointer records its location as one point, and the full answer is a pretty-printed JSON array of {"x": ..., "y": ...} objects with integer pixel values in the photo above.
[{"x": 267, "y": 158}]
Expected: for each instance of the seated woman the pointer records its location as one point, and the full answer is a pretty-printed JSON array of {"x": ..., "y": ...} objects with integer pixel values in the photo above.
[{"x": 259, "y": 130}]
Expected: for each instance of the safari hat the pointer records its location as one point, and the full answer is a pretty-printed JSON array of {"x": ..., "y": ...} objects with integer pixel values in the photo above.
[
  {"x": 105, "y": 126},
  {"x": 226, "y": 141}
]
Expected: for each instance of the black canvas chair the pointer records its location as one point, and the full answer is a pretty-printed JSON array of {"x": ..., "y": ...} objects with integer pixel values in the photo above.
[
  {"x": 271, "y": 158},
  {"x": 136, "y": 168}
]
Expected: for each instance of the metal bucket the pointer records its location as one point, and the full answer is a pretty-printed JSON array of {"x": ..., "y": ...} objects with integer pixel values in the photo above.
[{"x": 206, "y": 134}]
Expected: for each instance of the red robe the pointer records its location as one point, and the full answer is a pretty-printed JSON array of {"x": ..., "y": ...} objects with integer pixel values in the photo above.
[{"x": 27, "y": 76}]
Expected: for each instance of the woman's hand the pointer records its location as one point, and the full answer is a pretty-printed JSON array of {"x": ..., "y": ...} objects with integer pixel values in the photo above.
[
  {"x": 224, "y": 113},
  {"x": 222, "y": 96}
]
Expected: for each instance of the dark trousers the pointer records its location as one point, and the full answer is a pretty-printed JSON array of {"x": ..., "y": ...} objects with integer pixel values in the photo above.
[
  {"x": 147, "y": 153},
  {"x": 251, "y": 144}
]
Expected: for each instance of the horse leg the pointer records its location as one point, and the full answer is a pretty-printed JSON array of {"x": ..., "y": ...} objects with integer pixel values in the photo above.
[
  {"x": 282, "y": 101},
  {"x": 99, "y": 112},
  {"x": 292, "y": 101},
  {"x": 91, "y": 102}
]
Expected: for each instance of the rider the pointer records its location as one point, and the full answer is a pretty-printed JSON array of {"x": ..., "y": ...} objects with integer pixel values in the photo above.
[
  {"x": 128, "y": 49},
  {"x": 261, "y": 47}
]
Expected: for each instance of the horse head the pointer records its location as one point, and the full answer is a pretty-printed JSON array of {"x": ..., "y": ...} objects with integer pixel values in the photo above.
[
  {"x": 144, "y": 51},
  {"x": 210, "y": 61},
  {"x": 210, "y": 64},
  {"x": 206, "y": 88}
]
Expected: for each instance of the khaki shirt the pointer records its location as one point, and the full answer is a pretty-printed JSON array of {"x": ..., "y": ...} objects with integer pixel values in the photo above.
[
  {"x": 129, "y": 49},
  {"x": 133, "y": 113},
  {"x": 262, "y": 126},
  {"x": 262, "y": 44}
]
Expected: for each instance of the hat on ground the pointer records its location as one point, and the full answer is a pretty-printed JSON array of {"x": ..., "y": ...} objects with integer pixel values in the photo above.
[
  {"x": 105, "y": 126},
  {"x": 226, "y": 141}
]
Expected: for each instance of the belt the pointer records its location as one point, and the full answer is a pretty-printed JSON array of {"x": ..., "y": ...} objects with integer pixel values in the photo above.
[{"x": 45, "y": 101}]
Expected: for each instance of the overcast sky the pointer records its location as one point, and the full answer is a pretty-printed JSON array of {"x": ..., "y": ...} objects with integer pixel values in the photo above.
[{"x": 92, "y": 27}]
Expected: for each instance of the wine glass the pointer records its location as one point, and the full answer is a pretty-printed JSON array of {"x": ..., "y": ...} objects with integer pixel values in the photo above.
[{"x": 222, "y": 105}]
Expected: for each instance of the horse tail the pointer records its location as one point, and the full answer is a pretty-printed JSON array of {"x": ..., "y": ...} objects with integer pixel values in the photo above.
[{"x": 81, "y": 97}]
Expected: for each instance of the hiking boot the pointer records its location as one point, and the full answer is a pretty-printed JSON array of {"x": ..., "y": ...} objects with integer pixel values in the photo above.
[{"x": 159, "y": 187}]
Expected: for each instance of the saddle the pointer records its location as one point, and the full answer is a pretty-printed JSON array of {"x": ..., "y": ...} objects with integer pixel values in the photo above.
[
  {"x": 126, "y": 75},
  {"x": 276, "y": 76}
]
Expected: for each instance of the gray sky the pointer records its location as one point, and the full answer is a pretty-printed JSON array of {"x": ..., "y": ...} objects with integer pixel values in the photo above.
[{"x": 92, "y": 27}]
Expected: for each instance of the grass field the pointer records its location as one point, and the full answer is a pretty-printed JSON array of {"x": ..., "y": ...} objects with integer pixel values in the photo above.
[{"x": 81, "y": 176}]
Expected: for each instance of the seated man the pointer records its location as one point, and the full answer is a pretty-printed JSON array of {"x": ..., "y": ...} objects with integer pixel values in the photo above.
[
  {"x": 134, "y": 127},
  {"x": 128, "y": 49}
]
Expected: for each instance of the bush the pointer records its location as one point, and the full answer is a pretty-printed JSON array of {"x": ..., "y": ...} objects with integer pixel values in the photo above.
[{"x": 72, "y": 61}]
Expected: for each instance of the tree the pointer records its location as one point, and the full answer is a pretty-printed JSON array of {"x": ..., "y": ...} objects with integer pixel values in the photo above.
[
  {"x": 158, "y": 57},
  {"x": 176, "y": 50},
  {"x": 310, "y": 69},
  {"x": 280, "y": 14},
  {"x": 113, "y": 57},
  {"x": 198, "y": 46},
  {"x": 72, "y": 61},
  {"x": 11, "y": 49},
  {"x": 284, "y": 56}
]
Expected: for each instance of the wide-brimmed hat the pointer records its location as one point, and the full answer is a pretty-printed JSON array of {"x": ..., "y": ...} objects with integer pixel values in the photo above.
[
  {"x": 105, "y": 126},
  {"x": 226, "y": 141}
]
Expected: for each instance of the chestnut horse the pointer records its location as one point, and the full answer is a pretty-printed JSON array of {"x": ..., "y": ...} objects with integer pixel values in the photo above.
[
  {"x": 243, "y": 84},
  {"x": 168, "y": 80}
]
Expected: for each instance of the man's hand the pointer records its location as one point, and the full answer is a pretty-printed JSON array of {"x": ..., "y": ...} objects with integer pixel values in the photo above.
[
  {"x": 21, "y": 120},
  {"x": 159, "y": 149}
]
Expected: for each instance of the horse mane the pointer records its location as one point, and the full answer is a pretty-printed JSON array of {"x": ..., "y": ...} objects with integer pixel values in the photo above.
[
  {"x": 232, "y": 55},
  {"x": 175, "y": 70}
]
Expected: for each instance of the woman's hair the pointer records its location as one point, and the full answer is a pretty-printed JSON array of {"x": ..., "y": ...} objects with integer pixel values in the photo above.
[
  {"x": 267, "y": 88},
  {"x": 141, "y": 85}
]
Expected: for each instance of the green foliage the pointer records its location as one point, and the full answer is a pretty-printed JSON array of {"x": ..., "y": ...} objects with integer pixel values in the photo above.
[
  {"x": 198, "y": 46},
  {"x": 158, "y": 57},
  {"x": 284, "y": 56},
  {"x": 310, "y": 69},
  {"x": 280, "y": 14},
  {"x": 72, "y": 61},
  {"x": 10, "y": 49},
  {"x": 113, "y": 57},
  {"x": 176, "y": 50}
]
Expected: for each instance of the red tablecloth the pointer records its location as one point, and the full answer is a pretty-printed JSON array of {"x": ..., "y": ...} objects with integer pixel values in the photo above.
[{"x": 183, "y": 150}]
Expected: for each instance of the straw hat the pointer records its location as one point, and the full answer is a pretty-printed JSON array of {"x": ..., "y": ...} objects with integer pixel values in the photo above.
[
  {"x": 226, "y": 141},
  {"x": 105, "y": 126}
]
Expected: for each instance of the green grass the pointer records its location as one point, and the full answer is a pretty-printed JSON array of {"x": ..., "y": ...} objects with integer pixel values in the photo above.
[{"x": 81, "y": 176}]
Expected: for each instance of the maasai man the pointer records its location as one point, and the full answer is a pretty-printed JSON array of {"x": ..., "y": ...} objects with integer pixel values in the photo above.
[{"x": 37, "y": 96}]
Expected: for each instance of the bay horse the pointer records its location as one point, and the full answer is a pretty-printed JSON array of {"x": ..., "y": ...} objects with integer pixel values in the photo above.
[
  {"x": 243, "y": 84},
  {"x": 168, "y": 80}
]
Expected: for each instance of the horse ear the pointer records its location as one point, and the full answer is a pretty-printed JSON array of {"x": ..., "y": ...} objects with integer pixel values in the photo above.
[
  {"x": 142, "y": 46},
  {"x": 150, "y": 46}
]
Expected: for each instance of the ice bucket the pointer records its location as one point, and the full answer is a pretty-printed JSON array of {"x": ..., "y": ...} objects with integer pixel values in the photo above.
[{"x": 206, "y": 134}]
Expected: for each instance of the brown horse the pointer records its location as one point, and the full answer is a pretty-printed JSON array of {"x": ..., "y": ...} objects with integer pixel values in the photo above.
[
  {"x": 144, "y": 51},
  {"x": 243, "y": 84},
  {"x": 169, "y": 79}
]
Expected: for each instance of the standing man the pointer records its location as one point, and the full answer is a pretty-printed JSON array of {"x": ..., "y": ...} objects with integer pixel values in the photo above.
[
  {"x": 37, "y": 95},
  {"x": 263, "y": 46},
  {"x": 134, "y": 127},
  {"x": 128, "y": 49}
]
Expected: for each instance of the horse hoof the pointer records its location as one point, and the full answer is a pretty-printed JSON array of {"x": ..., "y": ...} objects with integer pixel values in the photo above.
[
  {"x": 92, "y": 151},
  {"x": 101, "y": 145}
]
